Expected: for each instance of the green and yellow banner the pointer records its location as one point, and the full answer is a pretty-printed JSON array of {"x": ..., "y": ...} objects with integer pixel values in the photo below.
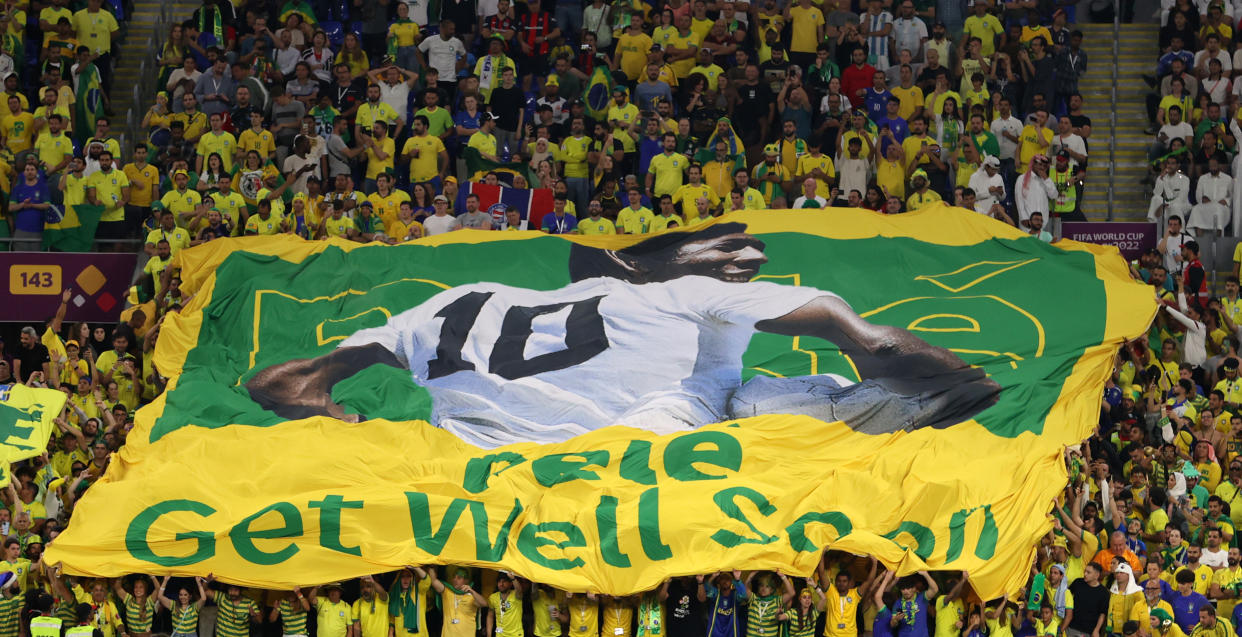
[
  {"x": 601, "y": 413},
  {"x": 26, "y": 424}
]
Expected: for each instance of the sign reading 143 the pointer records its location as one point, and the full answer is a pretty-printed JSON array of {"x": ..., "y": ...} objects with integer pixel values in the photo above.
[{"x": 34, "y": 279}]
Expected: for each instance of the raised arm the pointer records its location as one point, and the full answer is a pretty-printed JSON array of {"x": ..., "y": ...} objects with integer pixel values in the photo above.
[
  {"x": 435, "y": 581},
  {"x": 932, "y": 588},
  {"x": 897, "y": 359},
  {"x": 790, "y": 593},
  {"x": 302, "y": 387}
]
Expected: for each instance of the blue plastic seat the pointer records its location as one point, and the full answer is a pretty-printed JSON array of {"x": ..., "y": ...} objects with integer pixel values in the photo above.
[{"x": 336, "y": 34}]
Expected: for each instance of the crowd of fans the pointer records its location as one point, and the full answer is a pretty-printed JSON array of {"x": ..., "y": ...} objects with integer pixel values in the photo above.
[
  {"x": 298, "y": 117},
  {"x": 1195, "y": 116}
]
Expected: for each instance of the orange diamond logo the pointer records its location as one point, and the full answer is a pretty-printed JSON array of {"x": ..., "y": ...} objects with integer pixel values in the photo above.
[{"x": 90, "y": 279}]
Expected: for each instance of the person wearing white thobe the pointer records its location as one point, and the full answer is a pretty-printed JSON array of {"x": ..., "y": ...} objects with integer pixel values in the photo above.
[{"x": 1213, "y": 201}]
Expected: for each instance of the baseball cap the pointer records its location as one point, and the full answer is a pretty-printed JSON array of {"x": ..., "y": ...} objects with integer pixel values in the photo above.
[
  {"x": 919, "y": 173},
  {"x": 450, "y": 180},
  {"x": 553, "y": 80},
  {"x": 367, "y": 203},
  {"x": 439, "y": 198},
  {"x": 73, "y": 343},
  {"x": 771, "y": 149},
  {"x": 991, "y": 160},
  {"x": 181, "y": 173}
]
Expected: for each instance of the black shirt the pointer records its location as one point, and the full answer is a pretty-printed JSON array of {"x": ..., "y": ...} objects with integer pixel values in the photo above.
[
  {"x": 345, "y": 97},
  {"x": 685, "y": 611},
  {"x": 753, "y": 105},
  {"x": 1090, "y": 602},
  {"x": 32, "y": 359},
  {"x": 506, "y": 104}
]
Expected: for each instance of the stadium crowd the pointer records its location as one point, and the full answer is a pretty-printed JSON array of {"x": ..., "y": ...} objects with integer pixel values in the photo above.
[{"x": 299, "y": 117}]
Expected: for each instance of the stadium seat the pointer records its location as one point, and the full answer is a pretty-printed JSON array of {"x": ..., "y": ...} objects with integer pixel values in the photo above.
[{"x": 336, "y": 33}]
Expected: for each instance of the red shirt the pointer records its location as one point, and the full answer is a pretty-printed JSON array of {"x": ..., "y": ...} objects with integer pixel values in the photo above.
[{"x": 854, "y": 79}]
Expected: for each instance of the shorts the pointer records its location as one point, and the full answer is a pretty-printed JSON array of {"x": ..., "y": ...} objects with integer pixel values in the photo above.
[{"x": 867, "y": 407}]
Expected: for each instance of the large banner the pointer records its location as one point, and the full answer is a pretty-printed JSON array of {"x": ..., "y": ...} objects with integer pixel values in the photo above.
[
  {"x": 35, "y": 280},
  {"x": 602, "y": 413}
]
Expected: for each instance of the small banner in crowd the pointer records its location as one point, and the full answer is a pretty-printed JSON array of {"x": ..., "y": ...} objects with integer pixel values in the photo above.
[
  {"x": 26, "y": 416},
  {"x": 601, "y": 413},
  {"x": 533, "y": 203}
]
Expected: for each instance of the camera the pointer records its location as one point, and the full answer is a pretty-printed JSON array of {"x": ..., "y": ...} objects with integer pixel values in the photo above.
[{"x": 584, "y": 47}]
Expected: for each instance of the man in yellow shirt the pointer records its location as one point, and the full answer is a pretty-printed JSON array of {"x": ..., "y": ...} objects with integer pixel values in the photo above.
[
  {"x": 633, "y": 47},
  {"x": 264, "y": 222},
  {"x": 574, "y": 152},
  {"x": 231, "y": 204},
  {"x": 381, "y": 154},
  {"x": 595, "y": 223},
  {"x": 144, "y": 187},
  {"x": 483, "y": 140},
  {"x": 370, "y": 610},
  {"x": 373, "y": 110},
  {"x": 718, "y": 173},
  {"x": 109, "y": 187},
  {"x": 96, "y": 28},
  {"x": 216, "y": 140},
  {"x": 177, "y": 238},
  {"x": 985, "y": 26},
  {"x": 54, "y": 147},
  {"x": 256, "y": 138},
  {"x": 426, "y": 153},
  {"x": 634, "y": 218},
  {"x": 922, "y": 195},
  {"x": 682, "y": 48},
  {"x": 623, "y": 116},
  {"x": 192, "y": 120},
  {"x": 665, "y": 170},
  {"x": 807, "y": 22},
  {"x": 334, "y": 614},
  {"x": 842, "y": 601},
  {"x": 182, "y": 201},
  {"x": 909, "y": 94},
  {"x": 1034, "y": 140},
  {"x": 17, "y": 127},
  {"x": 818, "y": 165},
  {"x": 688, "y": 193}
]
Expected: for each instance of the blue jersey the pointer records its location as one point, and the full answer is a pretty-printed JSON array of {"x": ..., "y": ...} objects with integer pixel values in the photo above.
[
  {"x": 1186, "y": 609},
  {"x": 880, "y": 627},
  {"x": 723, "y": 621},
  {"x": 915, "y": 622}
]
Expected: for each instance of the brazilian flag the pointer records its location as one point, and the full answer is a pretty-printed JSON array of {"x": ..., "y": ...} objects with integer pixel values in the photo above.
[
  {"x": 90, "y": 104},
  {"x": 73, "y": 232},
  {"x": 598, "y": 92},
  {"x": 478, "y": 166}
]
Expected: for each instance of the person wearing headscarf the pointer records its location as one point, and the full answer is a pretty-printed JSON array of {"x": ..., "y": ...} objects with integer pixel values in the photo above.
[
  {"x": 1057, "y": 590},
  {"x": 724, "y": 131},
  {"x": 1125, "y": 599}
]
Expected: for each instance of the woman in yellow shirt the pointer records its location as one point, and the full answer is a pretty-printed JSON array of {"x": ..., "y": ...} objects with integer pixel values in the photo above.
[
  {"x": 403, "y": 36},
  {"x": 352, "y": 54},
  {"x": 461, "y": 603}
]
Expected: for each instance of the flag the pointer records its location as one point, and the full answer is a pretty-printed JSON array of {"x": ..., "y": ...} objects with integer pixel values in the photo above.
[
  {"x": 26, "y": 424},
  {"x": 89, "y": 104},
  {"x": 75, "y": 232},
  {"x": 453, "y": 400},
  {"x": 478, "y": 166},
  {"x": 598, "y": 93},
  {"x": 534, "y": 203}
]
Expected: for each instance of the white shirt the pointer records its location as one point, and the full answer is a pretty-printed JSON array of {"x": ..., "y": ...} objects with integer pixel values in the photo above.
[
  {"x": 293, "y": 164},
  {"x": 1012, "y": 125},
  {"x": 418, "y": 11},
  {"x": 1072, "y": 142},
  {"x": 980, "y": 182},
  {"x": 436, "y": 224},
  {"x": 1215, "y": 559},
  {"x": 1034, "y": 197},
  {"x": 908, "y": 34},
  {"x": 1195, "y": 344},
  {"x": 532, "y": 386},
  {"x": 1226, "y": 63},
  {"x": 798, "y": 203},
  {"x": 397, "y": 96},
  {"x": 1174, "y": 131},
  {"x": 442, "y": 55},
  {"x": 853, "y": 174},
  {"x": 287, "y": 60}
]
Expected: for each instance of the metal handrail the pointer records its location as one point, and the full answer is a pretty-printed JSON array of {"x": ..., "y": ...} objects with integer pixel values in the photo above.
[{"x": 1112, "y": 115}]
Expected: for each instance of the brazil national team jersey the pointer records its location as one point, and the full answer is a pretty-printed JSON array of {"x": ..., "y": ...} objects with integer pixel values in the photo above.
[{"x": 499, "y": 388}]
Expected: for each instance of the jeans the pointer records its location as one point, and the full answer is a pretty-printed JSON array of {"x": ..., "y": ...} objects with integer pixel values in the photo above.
[
  {"x": 569, "y": 17},
  {"x": 579, "y": 192}
]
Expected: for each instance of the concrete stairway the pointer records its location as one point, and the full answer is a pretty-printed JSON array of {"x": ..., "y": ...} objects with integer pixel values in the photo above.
[
  {"x": 1136, "y": 55},
  {"x": 142, "y": 32}
]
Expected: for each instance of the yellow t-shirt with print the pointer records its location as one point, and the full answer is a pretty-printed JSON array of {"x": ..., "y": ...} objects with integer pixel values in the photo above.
[
  {"x": 260, "y": 226},
  {"x": 686, "y": 196},
  {"x": 634, "y": 221},
  {"x": 809, "y": 162},
  {"x": 109, "y": 191},
  {"x": 596, "y": 226},
  {"x": 262, "y": 142},
  {"x": 660, "y": 223},
  {"x": 668, "y": 170}
]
